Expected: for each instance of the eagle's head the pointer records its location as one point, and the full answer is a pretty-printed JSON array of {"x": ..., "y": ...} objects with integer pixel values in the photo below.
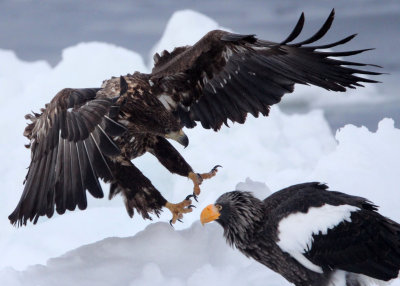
[
  {"x": 239, "y": 213},
  {"x": 179, "y": 136}
]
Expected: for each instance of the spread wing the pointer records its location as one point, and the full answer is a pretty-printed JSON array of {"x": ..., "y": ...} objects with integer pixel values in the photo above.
[
  {"x": 226, "y": 76},
  {"x": 70, "y": 142}
]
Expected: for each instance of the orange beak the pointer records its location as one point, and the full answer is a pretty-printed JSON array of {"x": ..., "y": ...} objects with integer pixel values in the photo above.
[{"x": 209, "y": 214}]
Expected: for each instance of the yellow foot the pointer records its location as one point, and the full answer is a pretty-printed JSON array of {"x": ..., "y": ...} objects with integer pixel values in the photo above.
[
  {"x": 179, "y": 209},
  {"x": 198, "y": 179}
]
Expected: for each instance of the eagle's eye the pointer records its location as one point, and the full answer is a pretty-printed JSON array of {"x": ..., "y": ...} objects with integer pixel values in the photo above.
[{"x": 219, "y": 207}]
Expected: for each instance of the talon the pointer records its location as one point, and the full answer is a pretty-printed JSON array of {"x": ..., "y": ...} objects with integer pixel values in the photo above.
[
  {"x": 198, "y": 178},
  {"x": 191, "y": 206},
  {"x": 180, "y": 220},
  {"x": 195, "y": 197},
  {"x": 178, "y": 210},
  {"x": 188, "y": 197},
  {"x": 170, "y": 222},
  {"x": 215, "y": 169}
]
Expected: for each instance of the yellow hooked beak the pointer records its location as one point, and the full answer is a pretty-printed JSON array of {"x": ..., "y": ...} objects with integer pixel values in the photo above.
[{"x": 209, "y": 214}]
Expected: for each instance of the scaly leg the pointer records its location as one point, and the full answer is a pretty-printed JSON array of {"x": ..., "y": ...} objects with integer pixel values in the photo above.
[
  {"x": 198, "y": 179},
  {"x": 179, "y": 209},
  {"x": 175, "y": 163}
]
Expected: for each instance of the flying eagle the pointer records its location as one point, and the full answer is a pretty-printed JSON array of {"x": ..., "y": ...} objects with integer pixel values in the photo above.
[
  {"x": 311, "y": 236},
  {"x": 86, "y": 134}
]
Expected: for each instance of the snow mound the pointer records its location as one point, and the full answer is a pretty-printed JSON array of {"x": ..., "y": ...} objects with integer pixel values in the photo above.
[
  {"x": 365, "y": 163},
  {"x": 156, "y": 256},
  {"x": 97, "y": 61},
  {"x": 15, "y": 71},
  {"x": 259, "y": 189}
]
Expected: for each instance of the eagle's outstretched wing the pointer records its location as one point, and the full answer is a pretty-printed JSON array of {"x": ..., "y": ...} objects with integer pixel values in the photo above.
[
  {"x": 225, "y": 76},
  {"x": 70, "y": 143}
]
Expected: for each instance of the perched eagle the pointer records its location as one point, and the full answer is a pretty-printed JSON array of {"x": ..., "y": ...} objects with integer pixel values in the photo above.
[
  {"x": 311, "y": 236},
  {"x": 86, "y": 134}
]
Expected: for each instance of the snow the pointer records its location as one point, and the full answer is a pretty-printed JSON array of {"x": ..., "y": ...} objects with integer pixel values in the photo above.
[
  {"x": 133, "y": 261},
  {"x": 259, "y": 190},
  {"x": 103, "y": 246},
  {"x": 297, "y": 229}
]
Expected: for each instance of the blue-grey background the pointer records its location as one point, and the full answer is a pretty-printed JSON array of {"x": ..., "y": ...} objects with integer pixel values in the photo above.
[{"x": 41, "y": 29}]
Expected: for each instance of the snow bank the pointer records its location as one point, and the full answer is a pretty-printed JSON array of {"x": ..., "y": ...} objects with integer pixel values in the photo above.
[
  {"x": 156, "y": 256},
  {"x": 97, "y": 61},
  {"x": 366, "y": 164},
  {"x": 279, "y": 150}
]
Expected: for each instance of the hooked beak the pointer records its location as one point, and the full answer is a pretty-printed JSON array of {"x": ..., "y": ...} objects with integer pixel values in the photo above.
[
  {"x": 179, "y": 137},
  {"x": 209, "y": 214}
]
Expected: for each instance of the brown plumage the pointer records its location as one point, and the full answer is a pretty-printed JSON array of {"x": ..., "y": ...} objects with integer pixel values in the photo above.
[{"x": 86, "y": 134}]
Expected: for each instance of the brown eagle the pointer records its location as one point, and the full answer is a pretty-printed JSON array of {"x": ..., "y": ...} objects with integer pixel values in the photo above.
[{"x": 86, "y": 134}]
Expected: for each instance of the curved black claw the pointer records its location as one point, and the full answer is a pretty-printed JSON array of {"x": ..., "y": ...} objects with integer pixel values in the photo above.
[
  {"x": 191, "y": 206},
  {"x": 215, "y": 168},
  {"x": 188, "y": 197},
  {"x": 179, "y": 220},
  {"x": 170, "y": 222},
  {"x": 192, "y": 196}
]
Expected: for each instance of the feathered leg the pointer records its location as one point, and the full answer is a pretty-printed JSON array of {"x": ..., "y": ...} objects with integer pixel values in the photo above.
[
  {"x": 140, "y": 194},
  {"x": 175, "y": 163}
]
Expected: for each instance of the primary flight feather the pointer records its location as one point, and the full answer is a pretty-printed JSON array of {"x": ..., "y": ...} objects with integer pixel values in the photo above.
[{"x": 86, "y": 134}]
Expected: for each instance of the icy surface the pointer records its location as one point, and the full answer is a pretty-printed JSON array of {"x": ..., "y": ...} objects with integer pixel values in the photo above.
[{"x": 278, "y": 151}]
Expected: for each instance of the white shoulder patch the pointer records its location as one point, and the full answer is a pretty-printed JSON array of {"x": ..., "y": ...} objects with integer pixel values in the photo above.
[{"x": 295, "y": 231}]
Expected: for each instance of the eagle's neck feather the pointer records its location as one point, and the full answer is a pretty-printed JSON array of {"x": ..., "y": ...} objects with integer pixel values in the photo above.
[{"x": 245, "y": 219}]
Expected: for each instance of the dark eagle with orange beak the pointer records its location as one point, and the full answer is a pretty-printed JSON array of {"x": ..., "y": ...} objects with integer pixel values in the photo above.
[
  {"x": 311, "y": 236},
  {"x": 86, "y": 134}
]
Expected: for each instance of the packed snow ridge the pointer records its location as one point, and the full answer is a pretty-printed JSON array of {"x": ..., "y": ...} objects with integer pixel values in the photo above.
[{"x": 112, "y": 249}]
